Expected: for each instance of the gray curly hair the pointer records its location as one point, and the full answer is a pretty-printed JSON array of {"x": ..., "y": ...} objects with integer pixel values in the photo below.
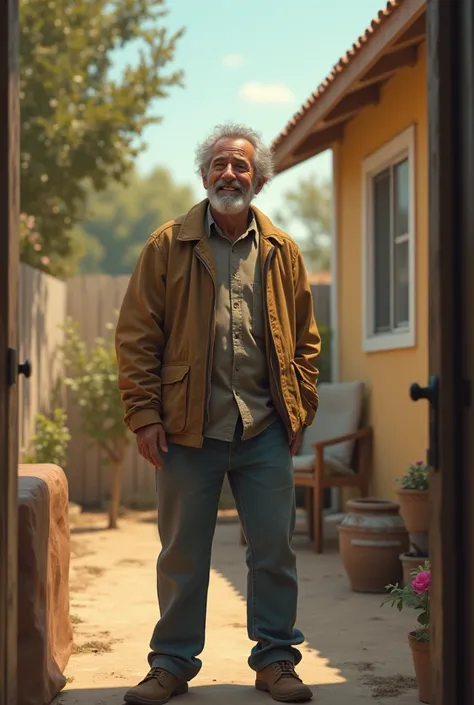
[{"x": 263, "y": 160}]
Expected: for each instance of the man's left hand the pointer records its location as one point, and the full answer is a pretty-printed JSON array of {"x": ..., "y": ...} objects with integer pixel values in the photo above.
[{"x": 296, "y": 442}]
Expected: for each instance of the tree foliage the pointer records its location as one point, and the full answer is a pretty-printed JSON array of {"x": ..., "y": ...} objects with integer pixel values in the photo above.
[
  {"x": 80, "y": 120},
  {"x": 310, "y": 204},
  {"x": 122, "y": 217}
]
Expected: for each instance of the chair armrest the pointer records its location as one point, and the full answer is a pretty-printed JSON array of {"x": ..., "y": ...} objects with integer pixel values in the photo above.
[{"x": 355, "y": 436}]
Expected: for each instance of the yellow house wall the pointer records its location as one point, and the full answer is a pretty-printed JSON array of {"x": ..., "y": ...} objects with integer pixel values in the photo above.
[{"x": 400, "y": 425}]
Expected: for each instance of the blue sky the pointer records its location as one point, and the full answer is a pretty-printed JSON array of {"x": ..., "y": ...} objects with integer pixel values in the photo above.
[{"x": 252, "y": 61}]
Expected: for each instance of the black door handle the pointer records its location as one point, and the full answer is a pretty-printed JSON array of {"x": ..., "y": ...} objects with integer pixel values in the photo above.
[
  {"x": 14, "y": 369},
  {"x": 430, "y": 393},
  {"x": 25, "y": 369}
]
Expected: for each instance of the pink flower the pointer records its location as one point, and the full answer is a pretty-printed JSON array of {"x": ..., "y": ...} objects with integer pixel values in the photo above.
[
  {"x": 45, "y": 260},
  {"x": 422, "y": 582},
  {"x": 37, "y": 247}
]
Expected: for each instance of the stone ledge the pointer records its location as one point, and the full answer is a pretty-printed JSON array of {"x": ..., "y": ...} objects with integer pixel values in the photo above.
[{"x": 44, "y": 626}]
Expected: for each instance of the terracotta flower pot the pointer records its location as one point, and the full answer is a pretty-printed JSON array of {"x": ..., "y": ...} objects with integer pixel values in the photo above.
[
  {"x": 371, "y": 537},
  {"x": 422, "y": 662},
  {"x": 414, "y": 508},
  {"x": 409, "y": 564}
]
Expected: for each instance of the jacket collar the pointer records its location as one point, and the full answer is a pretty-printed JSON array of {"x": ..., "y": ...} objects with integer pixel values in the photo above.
[{"x": 193, "y": 227}]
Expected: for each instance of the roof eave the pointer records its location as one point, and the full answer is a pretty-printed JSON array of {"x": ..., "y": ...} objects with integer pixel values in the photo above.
[{"x": 303, "y": 140}]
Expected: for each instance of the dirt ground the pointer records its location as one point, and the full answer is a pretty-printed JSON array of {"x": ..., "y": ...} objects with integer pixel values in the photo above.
[{"x": 355, "y": 652}]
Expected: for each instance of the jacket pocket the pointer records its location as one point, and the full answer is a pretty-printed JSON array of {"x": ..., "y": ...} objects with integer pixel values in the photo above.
[
  {"x": 296, "y": 380},
  {"x": 174, "y": 397},
  {"x": 308, "y": 393}
]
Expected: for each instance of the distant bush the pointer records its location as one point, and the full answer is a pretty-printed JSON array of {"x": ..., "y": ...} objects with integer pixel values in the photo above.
[{"x": 50, "y": 441}]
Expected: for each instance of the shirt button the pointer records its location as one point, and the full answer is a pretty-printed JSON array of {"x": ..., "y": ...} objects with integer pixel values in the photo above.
[
  {"x": 237, "y": 393},
  {"x": 236, "y": 305}
]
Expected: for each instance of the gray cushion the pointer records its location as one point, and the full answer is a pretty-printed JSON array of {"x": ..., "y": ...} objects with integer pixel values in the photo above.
[
  {"x": 305, "y": 464},
  {"x": 339, "y": 413}
]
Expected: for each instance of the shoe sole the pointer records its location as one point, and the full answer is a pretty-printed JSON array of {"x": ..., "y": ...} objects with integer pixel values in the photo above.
[
  {"x": 137, "y": 700},
  {"x": 260, "y": 685}
]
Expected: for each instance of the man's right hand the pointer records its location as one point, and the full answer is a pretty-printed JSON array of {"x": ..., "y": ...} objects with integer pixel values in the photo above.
[{"x": 151, "y": 442}]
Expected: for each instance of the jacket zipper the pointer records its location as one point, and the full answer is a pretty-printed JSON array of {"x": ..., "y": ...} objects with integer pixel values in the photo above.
[
  {"x": 273, "y": 354},
  {"x": 210, "y": 351}
]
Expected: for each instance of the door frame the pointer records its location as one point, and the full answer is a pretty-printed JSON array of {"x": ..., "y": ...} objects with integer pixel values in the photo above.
[
  {"x": 9, "y": 259},
  {"x": 450, "y": 36}
]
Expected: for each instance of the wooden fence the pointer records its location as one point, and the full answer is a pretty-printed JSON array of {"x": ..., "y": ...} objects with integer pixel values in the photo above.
[
  {"x": 92, "y": 301},
  {"x": 42, "y": 310}
]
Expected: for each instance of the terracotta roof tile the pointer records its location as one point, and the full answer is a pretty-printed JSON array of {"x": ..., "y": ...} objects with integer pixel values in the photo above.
[{"x": 391, "y": 7}]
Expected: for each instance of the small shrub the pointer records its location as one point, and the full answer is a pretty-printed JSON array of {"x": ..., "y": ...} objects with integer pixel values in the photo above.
[
  {"x": 50, "y": 441},
  {"x": 416, "y": 477},
  {"x": 92, "y": 379}
]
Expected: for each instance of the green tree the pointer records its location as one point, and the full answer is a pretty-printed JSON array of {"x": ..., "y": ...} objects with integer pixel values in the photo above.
[
  {"x": 310, "y": 204},
  {"x": 123, "y": 216},
  {"x": 82, "y": 119},
  {"x": 92, "y": 379}
]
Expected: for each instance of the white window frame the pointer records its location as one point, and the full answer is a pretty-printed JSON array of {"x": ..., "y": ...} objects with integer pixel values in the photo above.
[{"x": 402, "y": 146}]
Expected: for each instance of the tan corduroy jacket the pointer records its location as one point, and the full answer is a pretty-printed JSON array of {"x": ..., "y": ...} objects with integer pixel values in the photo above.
[{"x": 165, "y": 331}]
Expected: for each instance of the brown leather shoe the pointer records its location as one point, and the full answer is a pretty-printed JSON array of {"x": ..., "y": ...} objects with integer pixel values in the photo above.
[
  {"x": 280, "y": 680},
  {"x": 156, "y": 689}
]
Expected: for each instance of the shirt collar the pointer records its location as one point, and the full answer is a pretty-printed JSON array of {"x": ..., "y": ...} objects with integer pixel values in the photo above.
[{"x": 211, "y": 224}]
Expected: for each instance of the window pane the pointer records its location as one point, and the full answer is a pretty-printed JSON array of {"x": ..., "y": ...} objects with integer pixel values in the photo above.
[
  {"x": 381, "y": 186},
  {"x": 402, "y": 198},
  {"x": 402, "y": 285}
]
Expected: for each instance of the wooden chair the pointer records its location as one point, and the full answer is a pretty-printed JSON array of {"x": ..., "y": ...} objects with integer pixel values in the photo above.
[{"x": 335, "y": 452}]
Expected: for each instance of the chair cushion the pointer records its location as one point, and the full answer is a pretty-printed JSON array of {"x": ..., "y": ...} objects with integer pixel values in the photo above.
[
  {"x": 339, "y": 413},
  {"x": 305, "y": 464}
]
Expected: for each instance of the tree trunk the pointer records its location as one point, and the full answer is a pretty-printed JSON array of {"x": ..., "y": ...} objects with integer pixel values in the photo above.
[
  {"x": 114, "y": 504},
  {"x": 115, "y": 493}
]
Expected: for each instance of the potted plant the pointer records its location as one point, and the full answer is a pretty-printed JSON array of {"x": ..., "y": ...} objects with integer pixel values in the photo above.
[
  {"x": 416, "y": 595},
  {"x": 413, "y": 499}
]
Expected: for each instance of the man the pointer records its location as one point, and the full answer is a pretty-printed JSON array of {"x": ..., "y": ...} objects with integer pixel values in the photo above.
[{"x": 216, "y": 345}]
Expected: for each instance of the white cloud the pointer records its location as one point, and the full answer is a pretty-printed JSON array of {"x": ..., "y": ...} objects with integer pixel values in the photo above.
[
  {"x": 232, "y": 61},
  {"x": 276, "y": 93}
]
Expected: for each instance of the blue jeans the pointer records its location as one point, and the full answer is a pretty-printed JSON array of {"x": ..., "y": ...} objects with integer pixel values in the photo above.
[{"x": 189, "y": 487}]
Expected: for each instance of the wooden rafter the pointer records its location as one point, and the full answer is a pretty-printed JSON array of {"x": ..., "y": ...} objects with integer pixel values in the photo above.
[
  {"x": 354, "y": 101},
  {"x": 319, "y": 141},
  {"x": 389, "y": 63},
  {"x": 416, "y": 32}
]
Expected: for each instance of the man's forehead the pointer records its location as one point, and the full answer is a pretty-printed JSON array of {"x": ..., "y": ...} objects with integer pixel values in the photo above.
[{"x": 228, "y": 146}]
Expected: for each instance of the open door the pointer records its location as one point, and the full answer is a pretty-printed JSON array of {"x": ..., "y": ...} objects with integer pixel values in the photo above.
[
  {"x": 450, "y": 46},
  {"x": 9, "y": 220}
]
